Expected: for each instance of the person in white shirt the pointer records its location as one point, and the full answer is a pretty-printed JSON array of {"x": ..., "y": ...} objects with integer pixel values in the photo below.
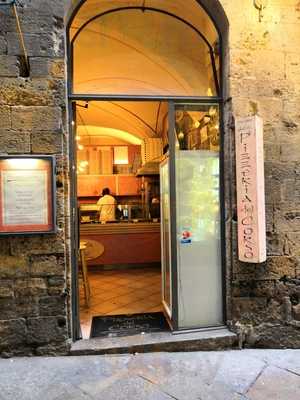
[{"x": 107, "y": 206}]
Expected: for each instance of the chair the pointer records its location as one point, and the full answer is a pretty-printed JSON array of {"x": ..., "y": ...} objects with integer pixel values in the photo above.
[{"x": 83, "y": 266}]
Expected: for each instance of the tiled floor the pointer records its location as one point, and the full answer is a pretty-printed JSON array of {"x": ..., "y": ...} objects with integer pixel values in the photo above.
[{"x": 121, "y": 292}]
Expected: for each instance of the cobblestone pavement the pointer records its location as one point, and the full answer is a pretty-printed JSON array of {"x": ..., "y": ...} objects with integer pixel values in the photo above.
[{"x": 234, "y": 375}]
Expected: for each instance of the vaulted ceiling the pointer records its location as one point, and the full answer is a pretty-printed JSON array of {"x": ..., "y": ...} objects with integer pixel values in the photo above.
[{"x": 163, "y": 50}]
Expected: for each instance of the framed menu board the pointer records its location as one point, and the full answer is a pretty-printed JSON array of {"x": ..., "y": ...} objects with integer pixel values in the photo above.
[{"x": 27, "y": 195}]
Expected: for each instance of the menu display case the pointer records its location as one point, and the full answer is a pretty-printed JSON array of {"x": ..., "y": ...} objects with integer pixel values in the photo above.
[{"x": 27, "y": 195}]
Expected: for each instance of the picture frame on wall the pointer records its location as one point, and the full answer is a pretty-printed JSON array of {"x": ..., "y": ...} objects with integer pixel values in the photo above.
[{"x": 27, "y": 195}]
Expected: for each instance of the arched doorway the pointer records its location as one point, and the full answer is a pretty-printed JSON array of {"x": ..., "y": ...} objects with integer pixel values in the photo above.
[{"x": 147, "y": 71}]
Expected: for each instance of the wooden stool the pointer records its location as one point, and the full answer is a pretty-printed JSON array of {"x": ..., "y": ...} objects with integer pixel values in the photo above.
[{"x": 85, "y": 279}]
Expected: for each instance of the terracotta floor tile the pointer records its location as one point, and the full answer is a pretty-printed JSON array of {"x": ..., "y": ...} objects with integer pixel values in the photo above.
[
  {"x": 121, "y": 292},
  {"x": 157, "y": 308},
  {"x": 100, "y": 296},
  {"x": 138, "y": 284}
]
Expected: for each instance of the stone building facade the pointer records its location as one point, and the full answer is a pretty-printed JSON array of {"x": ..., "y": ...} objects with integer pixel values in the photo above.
[{"x": 262, "y": 76}]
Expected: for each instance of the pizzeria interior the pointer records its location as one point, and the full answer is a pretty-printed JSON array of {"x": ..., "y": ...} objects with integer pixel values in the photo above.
[
  {"x": 123, "y": 147},
  {"x": 122, "y": 252}
]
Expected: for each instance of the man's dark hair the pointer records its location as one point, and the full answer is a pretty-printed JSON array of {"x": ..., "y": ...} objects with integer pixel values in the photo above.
[{"x": 105, "y": 191}]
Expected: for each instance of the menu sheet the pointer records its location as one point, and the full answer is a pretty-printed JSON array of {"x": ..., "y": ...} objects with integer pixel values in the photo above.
[{"x": 24, "y": 197}]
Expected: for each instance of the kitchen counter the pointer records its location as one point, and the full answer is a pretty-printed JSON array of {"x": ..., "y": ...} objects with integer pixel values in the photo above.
[
  {"x": 119, "y": 227},
  {"x": 124, "y": 242}
]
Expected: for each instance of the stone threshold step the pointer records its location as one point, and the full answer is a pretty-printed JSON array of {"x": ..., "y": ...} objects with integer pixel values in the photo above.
[{"x": 203, "y": 340}]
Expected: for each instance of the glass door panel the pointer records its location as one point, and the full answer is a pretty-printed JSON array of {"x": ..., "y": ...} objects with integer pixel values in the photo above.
[
  {"x": 165, "y": 236},
  {"x": 198, "y": 242}
]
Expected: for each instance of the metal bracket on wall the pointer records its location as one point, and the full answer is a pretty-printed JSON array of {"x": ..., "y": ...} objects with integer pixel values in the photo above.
[
  {"x": 260, "y": 5},
  {"x": 14, "y": 4},
  {"x": 7, "y": 2}
]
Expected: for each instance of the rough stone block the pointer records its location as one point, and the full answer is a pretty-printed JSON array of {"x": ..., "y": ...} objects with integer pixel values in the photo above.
[
  {"x": 283, "y": 171},
  {"x": 37, "y": 245},
  {"x": 6, "y": 290},
  {"x": 272, "y": 151},
  {"x": 248, "y": 309},
  {"x": 54, "y": 8},
  {"x": 290, "y": 152},
  {"x": 37, "y": 45},
  {"x": 39, "y": 67},
  {"x": 278, "y": 267},
  {"x": 14, "y": 142},
  {"x": 269, "y": 108},
  {"x": 275, "y": 244},
  {"x": 46, "y": 329},
  {"x": 275, "y": 336},
  {"x": 58, "y": 68},
  {"x": 26, "y": 92},
  {"x": 12, "y": 333},
  {"x": 9, "y": 309},
  {"x": 5, "y": 117},
  {"x": 296, "y": 312},
  {"x": 30, "y": 287},
  {"x": 287, "y": 219},
  {"x": 5, "y": 246},
  {"x": 27, "y": 306},
  {"x": 273, "y": 269},
  {"x": 55, "y": 349},
  {"x": 293, "y": 240},
  {"x": 252, "y": 288},
  {"x": 46, "y": 142},
  {"x": 37, "y": 118},
  {"x": 7, "y": 20},
  {"x": 291, "y": 116},
  {"x": 43, "y": 265},
  {"x": 52, "y": 306},
  {"x": 251, "y": 64},
  {"x": 13, "y": 267},
  {"x": 9, "y": 66},
  {"x": 36, "y": 21},
  {"x": 42, "y": 67},
  {"x": 272, "y": 193},
  {"x": 3, "y": 45}
]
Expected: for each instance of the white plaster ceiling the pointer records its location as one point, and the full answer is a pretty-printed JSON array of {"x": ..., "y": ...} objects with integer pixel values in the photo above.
[
  {"x": 129, "y": 121},
  {"x": 139, "y": 53},
  {"x": 135, "y": 52}
]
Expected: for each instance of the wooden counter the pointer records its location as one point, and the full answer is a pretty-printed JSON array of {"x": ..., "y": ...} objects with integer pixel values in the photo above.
[{"x": 124, "y": 243}]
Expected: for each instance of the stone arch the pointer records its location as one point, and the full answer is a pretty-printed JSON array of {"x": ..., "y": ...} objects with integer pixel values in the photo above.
[
  {"x": 213, "y": 8},
  {"x": 216, "y": 13}
]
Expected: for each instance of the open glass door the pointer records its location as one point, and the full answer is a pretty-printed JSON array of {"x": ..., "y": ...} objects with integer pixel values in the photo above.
[
  {"x": 166, "y": 237},
  {"x": 76, "y": 331},
  {"x": 194, "y": 217}
]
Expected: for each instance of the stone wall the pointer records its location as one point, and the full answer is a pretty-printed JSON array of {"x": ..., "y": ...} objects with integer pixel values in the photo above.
[
  {"x": 263, "y": 76},
  {"x": 264, "y": 79},
  {"x": 33, "y": 270}
]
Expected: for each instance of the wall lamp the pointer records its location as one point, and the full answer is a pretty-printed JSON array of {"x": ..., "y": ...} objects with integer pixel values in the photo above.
[{"x": 260, "y": 5}]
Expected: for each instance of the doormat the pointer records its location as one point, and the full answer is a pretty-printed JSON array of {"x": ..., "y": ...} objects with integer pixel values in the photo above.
[{"x": 128, "y": 325}]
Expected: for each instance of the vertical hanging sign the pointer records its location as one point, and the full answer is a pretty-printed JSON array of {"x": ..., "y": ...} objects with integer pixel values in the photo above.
[{"x": 250, "y": 190}]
